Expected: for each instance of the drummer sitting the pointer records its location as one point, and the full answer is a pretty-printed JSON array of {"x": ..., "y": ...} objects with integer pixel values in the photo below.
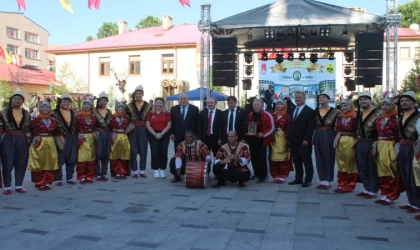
[
  {"x": 188, "y": 150},
  {"x": 231, "y": 162}
]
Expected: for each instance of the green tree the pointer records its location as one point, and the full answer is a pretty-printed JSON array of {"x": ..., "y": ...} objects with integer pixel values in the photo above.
[
  {"x": 410, "y": 80},
  {"x": 149, "y": 21},
  {"x": 410, "y": 13},
  {"x": 107, "y": 29},
  {"x": 5, "y": 92},
  {"x": 68, "y": 76},
  {"x": 89, "y": 38}
]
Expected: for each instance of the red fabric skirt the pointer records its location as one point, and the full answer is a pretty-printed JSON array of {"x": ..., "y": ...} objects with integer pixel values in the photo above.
[
  {"x": 347, "y": 182},
  {"x": 281, "y": 169},
  {"x": 391, "y": 187},
  {"x": 86, "y": 170},
  {"x": 43, "y": 177},
  {"x": 119, "y": 167}
]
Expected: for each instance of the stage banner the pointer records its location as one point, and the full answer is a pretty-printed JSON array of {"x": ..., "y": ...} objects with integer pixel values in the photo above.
[{"x": 291, "y": 76}]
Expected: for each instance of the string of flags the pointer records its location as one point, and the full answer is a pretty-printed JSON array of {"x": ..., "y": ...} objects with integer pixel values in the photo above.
[
  {"x": 95, "y": 3},
  {"x": 10, "y": 58}
]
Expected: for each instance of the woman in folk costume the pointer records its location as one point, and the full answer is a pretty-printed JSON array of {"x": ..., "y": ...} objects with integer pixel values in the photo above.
[
  {"x": 85, "y": 127},
  {"x": 14, "y": 148},
  {"x": 103, "y": 136},
  {"x": 346, "y": 127},
  {"x": 120, "y": 145},
  {"x": 390, "y": 182},
  {"x": 325, "y": 117},
  {"x": 280, "y": 160},
  {"x": 43, "y": 156}
]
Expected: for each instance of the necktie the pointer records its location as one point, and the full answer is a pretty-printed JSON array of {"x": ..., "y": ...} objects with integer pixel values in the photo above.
[
  {"x": 183, "y": 112},
  {"x": 209, "y": 123},
  {"x": 230, "y": 121},
  {"x": 296, "y": 113}
]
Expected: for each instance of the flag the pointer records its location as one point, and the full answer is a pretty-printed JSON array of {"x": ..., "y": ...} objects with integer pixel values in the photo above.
[
  {"x": 17, "y": 59},
  {"x": 21, "y": 3},
  {"x": 186, "y": 2},
  {"x": 67, "y": 5},
  {"x": 2, "y": 53},
  {"x": 96, "y": 3},
  {"x": 8, "y": 57}
]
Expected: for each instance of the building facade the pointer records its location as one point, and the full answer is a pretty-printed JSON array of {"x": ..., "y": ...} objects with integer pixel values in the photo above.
[
  {"x": 162, "y": 59},
  {"x": 24, "y": 37}
]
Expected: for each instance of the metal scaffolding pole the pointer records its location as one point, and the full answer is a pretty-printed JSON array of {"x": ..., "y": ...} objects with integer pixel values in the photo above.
[
  {"x": 393, "y": 19},
  {"x": 204, "y": 26}
]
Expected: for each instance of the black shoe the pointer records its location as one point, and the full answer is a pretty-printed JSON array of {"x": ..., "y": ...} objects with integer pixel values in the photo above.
[
  {"x": 295, "y": 182},
  {"x": 261, "y": 181},
  {"x": 253, "y": 178},
  {"x": 306, "y": 184},
  {"x": 219, "y": 184},
  {"x": 241, "y": 184}
]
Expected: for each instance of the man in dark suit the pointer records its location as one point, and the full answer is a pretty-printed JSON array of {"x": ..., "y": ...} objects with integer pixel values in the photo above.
[
  {"x": 302, "y": 125},
  {"x": 210, "y": 126},
  {"x": 268, "y": 97},
  {"x": 184, "y": 117},
  {"x": 233, "y": 119}
]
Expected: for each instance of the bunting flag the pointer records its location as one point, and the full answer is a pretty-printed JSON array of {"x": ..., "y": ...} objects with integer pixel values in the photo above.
[
  {"x": 67, "y": 5},
  {"x": 96, "y": 4},
  {"x": 21, "y": 3},
  {"x": 8, "y": 57},
  {"x": 17, "y": 59},
  {"x": 2, "y": 53},
  {"x": 186, "y": 2}
]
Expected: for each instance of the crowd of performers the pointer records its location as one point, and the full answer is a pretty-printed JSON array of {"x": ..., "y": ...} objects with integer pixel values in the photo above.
[{"x": 378, "y": 147}]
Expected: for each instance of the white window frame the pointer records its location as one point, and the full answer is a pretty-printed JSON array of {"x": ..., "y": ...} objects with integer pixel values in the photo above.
[
  {"x": 13, "y": 48},
  {"x": 32, "y": 54},
  {"x": 31, "y": 37},
  {"x": 16, "y": 32}
]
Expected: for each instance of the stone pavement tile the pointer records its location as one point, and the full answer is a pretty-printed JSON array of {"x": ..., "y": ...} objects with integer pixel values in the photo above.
[
  {"x": 308, "y": 209},
  {"x": 332, "y": 210},
  {"x": 356, "y": 211},
  {"x": 337, "y": 226},
  {"x": 309, "y": 224},
  {"x": 260, "y": 207},
  {"x": 72, "y": 244},
  {"x": 286, "y": 197},
  {"x": 227, "y": 221},
  {"x": 25, "y": 241},
  {"x": 267, "y": 195},
  {"x": 182, "y": 238},
  {"x": 130, "y": 231},
  {"x": 242, "y": 240},
  {"x": 245, "y": 195},
  {"x": 335, "y": 242},
  {"x": 194, "y": 202},
  {"x": 284, "y": 208},
  {"x": 215, "y": 239},
  {"x": 282, "y": 225},
  {"x": 308, "y": 242},
  {"x": 254, "y": 221},
  {"x": 156, "y": 234},
  {"x": 176, "y": 217},
  {"x": 238, "y": 205},
  {"x": 283, "y": 241}
]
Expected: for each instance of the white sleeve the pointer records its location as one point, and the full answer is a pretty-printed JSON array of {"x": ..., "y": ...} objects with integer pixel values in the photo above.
[
  {"x": 243, "y": 162},
  {"x": 208, "y": 158},
  {"x": 178, "y": 162},
  {"x": 217, "y": 161}
]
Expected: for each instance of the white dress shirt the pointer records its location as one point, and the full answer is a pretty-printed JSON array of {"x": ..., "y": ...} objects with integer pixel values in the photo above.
[
  {"x": 234, "y": 119},
  {"x": 300, "y": 110}
]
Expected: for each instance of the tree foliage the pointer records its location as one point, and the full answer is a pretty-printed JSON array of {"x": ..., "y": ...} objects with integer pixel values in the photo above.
[
  {"x": 5, "y": 92},
  {"x": 89, "y": 38},
  {"x": 107, "y": 29},
  {"x": 410, "y": 13},
  {"x": 18, "y": 78},
  {"x": 149, "y": 21},
  {"x": 410, "y": 80},
  {"x": 68, "y": 76}
]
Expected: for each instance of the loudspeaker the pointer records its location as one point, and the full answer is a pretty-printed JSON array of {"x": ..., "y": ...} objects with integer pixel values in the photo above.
[
  {"x": 246, "y": 84},
  {"x": 350, "y": 84},
  {"x": 224, "y": 61},
  {"x": 369, "y": 57}
]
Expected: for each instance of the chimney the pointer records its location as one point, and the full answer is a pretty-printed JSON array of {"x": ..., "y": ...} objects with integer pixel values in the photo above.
[
  {"x": 122, "y": 27},
  {"x": 167, "y": 22},
  {"x": 415, "y": 26}
]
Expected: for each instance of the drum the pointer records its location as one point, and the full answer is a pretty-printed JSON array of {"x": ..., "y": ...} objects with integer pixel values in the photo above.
[{"x": 196, "y": 174}]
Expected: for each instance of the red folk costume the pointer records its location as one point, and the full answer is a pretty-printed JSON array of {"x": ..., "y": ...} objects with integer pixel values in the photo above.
[
  {"x": 120, "y": 145},
  {"x": 391, "y": 184},
  {"x": 280, "y": 160},
  {"x": 86, "y": 160},
  {"x": 43, "y": 156},
  {"x": 346, "y": 127}
]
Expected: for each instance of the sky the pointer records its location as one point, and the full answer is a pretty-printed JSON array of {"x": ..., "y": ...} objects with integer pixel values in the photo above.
[{"x": 66, "y": 28}]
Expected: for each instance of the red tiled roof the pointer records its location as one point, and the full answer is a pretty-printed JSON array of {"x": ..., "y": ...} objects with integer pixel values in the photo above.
[
  {"x": 407, "y": 32},
  {"x": 33, "y": 75},
  {"x": 155, "y": 36}
]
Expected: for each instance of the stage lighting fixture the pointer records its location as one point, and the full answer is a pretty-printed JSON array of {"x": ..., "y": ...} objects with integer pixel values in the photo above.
[
  {"x": 349, "y": 57},
  {"x": 269, "y": 34},
  {"x": 279, "y": 58},
  {"x": 290, "y": 57},
  {"x": 290, "y": 32},
  {"x": 313, "y": 32},
  {"x": 250, "y": 35},
  {"x": 345, "y": 32},
  {"x": 264, "y": 56},
  {"x": 347, "y": 70},
  {"x": 248, "y": 57},
  {"x": 248, "y": 70},
  {"x": 327, "y": 31},
  {"x": 302, "y": 57},
  {"x": 280, "y": 33},
  {"x": 313, "y": 58},
  {"x": 350, "y": 84},
  {"x": 331, "y": 56},
  {"x": 322, "y": 31},
  {"x": 302, "y": 34}
]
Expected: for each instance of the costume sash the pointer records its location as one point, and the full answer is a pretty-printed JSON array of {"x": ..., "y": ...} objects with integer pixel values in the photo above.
[{"x": 104, "y": 122}]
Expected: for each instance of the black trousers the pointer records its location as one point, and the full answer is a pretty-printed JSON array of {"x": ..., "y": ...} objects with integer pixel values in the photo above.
[
  {"x": 67, "y": 156},
  {"x": 302, "y": 155},
  {"x": 172, "y": 168},
  {"x": 103, "y": 149},
  {"x": 230, "y": 174},
  {"x": 259, "y": 157},
  {"x": 159, "y": 150},
  {"x": 211, "y": 142},
  {"x": 176, "y": 142},
  {"x": 14, "y": 155}
]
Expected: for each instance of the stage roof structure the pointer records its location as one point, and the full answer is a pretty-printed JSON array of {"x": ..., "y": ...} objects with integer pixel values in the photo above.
[{"x": 293, "y": 23}]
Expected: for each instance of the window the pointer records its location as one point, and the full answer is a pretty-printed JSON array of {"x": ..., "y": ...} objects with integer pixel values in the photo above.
[
  {"x": 32, "y": 38},
  {"x": 104, "y": 63},
  {"x": 417, "y": 52},
  {"x": 14, "y": 49},
  {"x": 404, "y": 52},
  {"x": 134, "y": 65},
  {"x": 168, "y": 64},
  {"x": 12, "y": 32},
  {"x": 32, "y": 54}
]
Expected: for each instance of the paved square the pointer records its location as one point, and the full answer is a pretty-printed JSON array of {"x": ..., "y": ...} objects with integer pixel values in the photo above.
[{"x": 155, "y": 214}]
